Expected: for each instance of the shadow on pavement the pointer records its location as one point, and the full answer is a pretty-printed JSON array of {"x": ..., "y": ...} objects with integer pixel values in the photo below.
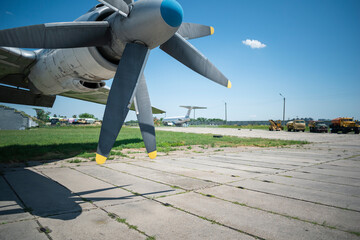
[
  {"x": 30, "y": 191},
  {"x": 24, "y": 153}
]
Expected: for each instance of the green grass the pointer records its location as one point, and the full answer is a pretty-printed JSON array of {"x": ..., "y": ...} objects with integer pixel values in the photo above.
[
  {"x": 121, "y": 220},
  {"x": 117, "y": 153},
  {"x": 75, "y": 161},
  {"x": 65, "y": 142}
]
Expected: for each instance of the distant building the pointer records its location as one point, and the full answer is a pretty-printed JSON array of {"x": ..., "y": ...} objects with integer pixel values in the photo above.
[{"x": 11, "y": 119}]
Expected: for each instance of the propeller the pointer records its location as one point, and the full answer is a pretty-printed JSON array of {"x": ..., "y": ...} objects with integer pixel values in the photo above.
[
  {"x": 145, "y": 118},
  {"x": 187, "y": 54},
  {"x": 128, "y": 73},
  {"x": 193, "y": 30},
  {"x": 117, "y": 5},
  {"x": 57, "y": 35},
  {"x": 133, "y": 29}
]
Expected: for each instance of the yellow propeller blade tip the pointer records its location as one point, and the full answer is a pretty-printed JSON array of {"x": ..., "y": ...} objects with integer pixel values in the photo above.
[
  {"x": 100, "y": 159},
  {"x": 153, "y": 155},
  {"x": 229, "y": 84},
  {"x": 212, "y": 30}
]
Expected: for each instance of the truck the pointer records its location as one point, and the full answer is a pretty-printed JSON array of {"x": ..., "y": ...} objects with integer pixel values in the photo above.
[
  {"x": 275, "y": 125},
  {"x": 296, "y": 125},
  {"x": 344, "y": 125},
  {"x": 318, "y": 127}
]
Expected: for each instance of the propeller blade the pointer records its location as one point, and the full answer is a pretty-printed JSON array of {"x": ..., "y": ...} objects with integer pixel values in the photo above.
[
  {"x": 187, "y": 54},
  {"x": 57, "y": 35},
  {"x": 145, "y": 117},
  {"x": 117, "y": 5},
  {"x": 128, "y": 73},
  {"x": 193, "y": 30}
]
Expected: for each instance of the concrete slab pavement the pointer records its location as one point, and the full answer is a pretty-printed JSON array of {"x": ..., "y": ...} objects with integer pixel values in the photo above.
[
  {"x": 94, "y": 224},
  {"x": 295, "y": 208},
  {"x": 252, "y": 221},
  {"x": 129, "y": 182},
  {"x": 167, "y": 222},
  {"x": 309, "y": 192},
  {"x": 22, "y": 230},
  {"x": 326, "y": 198},
  {"x": 11, "y": 208}
]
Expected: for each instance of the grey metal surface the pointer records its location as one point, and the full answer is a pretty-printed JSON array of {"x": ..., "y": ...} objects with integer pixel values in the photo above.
[
  {"x": 145, "y": 23},
  {"x": 100, "y": 96},
  {"x": 193, "y": 30},
  {"x": 144, "y": 115},
  {"x": 14, "y": 66},
  {"x": 184, "y": 52},
  {"x": 130, "y": 70},
  {"x": 57, "y": 35},
  {"x": 129, "y": 1},
  {"x": 19, "y": 96},
  {"x": 117, "y": 5}
]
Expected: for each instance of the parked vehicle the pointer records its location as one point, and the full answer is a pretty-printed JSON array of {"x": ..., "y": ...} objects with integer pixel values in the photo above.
[
  {"x": 275, "y": 125},
  {"x": 344, "y": 125},
  {"x": 296, "y": 125},
  {"x": 318, "y": 126}
]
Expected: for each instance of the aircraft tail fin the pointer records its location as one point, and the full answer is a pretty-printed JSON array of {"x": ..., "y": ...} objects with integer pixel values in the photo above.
[
  {"x": 191, "y": 108},
  {"x": 188, "y": 112}
]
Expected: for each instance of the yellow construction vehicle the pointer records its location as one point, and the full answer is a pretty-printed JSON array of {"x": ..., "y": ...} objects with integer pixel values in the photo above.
[
  {"x": 296, "y": 125},
  {"x": 275, "y": 126},
  {"x": 344, "y": 125}
]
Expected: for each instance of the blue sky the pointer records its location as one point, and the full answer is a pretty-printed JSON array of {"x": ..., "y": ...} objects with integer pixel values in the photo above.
[{"x": 312, "y": 57}]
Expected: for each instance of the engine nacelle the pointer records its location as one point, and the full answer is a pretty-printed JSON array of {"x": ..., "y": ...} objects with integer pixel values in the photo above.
[
  {"x": 62, "y": 70},
  {"x": 77, "y": 69}
]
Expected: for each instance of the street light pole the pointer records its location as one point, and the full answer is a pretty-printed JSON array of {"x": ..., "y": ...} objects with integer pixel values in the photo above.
[
  {"x": 283, "y": 109},
  {"x": 225, "y": 113}
]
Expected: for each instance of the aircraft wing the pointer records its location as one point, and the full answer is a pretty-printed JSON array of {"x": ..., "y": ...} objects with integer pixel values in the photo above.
[
  {"x": 15, "y": 65},
  {"x": 100, "y": 96}
]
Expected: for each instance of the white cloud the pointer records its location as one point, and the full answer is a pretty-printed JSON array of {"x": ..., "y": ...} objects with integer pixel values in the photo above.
[
  {"x": 9, "y": 13},
  {"x": 253, "y": 43}
]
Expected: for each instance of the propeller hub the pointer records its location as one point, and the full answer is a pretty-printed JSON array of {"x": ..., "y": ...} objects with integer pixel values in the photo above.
[
  {"x": 172, "y": 12},
  {"x": 152, "y": 22}
]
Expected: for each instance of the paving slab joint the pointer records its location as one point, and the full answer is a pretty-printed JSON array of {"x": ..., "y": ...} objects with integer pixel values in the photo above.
[
  {"x": 280, "y": 214},
  {"x": 44, "y": 230},
  {"x": 117, "y": 218},
  {"x": 209, "y": 220}
]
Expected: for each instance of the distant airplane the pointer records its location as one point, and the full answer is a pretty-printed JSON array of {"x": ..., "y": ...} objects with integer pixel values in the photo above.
[
  {"x": 182, "y": 121},
  {"x": 113, "y": 38}
]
